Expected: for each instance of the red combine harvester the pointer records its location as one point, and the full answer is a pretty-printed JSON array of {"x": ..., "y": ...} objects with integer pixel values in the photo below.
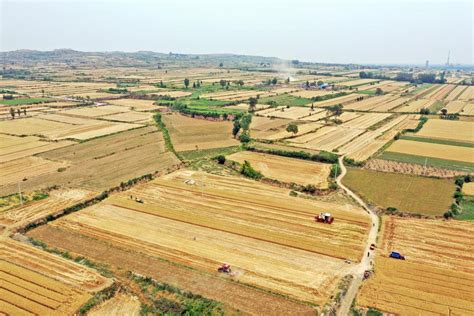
[
  {"x": 324, "y": 218},
  {"x": 225, "y": 268}
]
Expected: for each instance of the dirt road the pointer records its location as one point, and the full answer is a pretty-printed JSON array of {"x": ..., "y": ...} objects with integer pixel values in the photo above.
[{"x": 368, "y": 258}]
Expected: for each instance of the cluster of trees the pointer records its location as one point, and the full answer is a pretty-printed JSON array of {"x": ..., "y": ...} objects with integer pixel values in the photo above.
[
  {"x": 242, "y": 122},
  {"x": 406, "y": 76},
  {"x": 458, "y": 196},
  {"x": 18, "y": 112},
  {"x": 272, "y": 81},
  {"x": 328, "y": 96}
]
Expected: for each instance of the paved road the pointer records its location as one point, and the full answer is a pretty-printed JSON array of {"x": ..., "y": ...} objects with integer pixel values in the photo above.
[{"x": 366, "y": 261}]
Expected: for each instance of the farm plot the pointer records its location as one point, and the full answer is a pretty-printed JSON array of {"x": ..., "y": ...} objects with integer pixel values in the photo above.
[
  {"x": 311, "y": 93},
  {"x": 285, "y": 169},
  {"x": 369, "y": 148},
  {"x": 366, "y": 120},
  {"x": 405, "y": 192},
  {"x": 189, "y": 134},
  {"x": 440, "y": 151},
  {"x": 55, "y": 267},
  {"x": 130, "y": 117},
  {"x": 102, "y": 163},
  {"x": 97, "y": 111},
  {"x": 121, "y": 304},
  {"x": 26, "y": 292},
  {"x": 292, "y": 113},
  {"x": 455, "y": 93},
  {"x": 387, "y": 106},
  {"x": 454, "y": 106},
  {"x": 329, "y": 139},
  {"x": 411, "y": 168},
  {"x": 450, "y": 130},
  {"x": 57, "y": 201},
  {"x": 239, "y": 95},
  {"x": 358, "y": 82},
  {"x": 440, "y": 93},
  {"x": 263, "y": 127},
  {"x": 14, "y": 171},
  {"x": 174, "y": 93},
  {"x": 303, "y": 128},
  {"x": 245, "y": 107},
  {"x": 136, "y": 104},
  {"x": 14, "y": 147},
  {"x": 467, "y": 95},
  {"x": 468, "y": 109},
  {"x": 414, "y": 106},
  {"x": 370, "y": 102},
  {"x": 468, "y": 188},
  {"x": 262, "y": 232},
  {"x": 70, "y": 128},
  {"x": 346, "y": 99},
  {"x": 435, "y": 279}
]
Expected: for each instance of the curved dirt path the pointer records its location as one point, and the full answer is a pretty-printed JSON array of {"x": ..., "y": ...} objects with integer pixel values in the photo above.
[{"x": 367, "y": 260}]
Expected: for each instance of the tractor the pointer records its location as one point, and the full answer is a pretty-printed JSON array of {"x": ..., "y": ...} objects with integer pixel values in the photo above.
[
  {"x": 324, "y": 218},
  {"x": 224, "y": 268}
]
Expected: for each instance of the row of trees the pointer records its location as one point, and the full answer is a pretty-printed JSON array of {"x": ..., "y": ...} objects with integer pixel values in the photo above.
[
  {"x": 18, "y": 111},
  {"x": 406, "y": 76},
  {"x": 222, "y": 82}
]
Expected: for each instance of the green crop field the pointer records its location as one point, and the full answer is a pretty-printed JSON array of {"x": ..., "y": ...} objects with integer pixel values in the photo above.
[
  {"x": 285, "y": 99},
  {"x": 23, "y": 101},
  {"x": 414, "y": 194}
]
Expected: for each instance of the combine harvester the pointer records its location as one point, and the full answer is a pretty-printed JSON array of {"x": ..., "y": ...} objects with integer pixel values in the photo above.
[
  {"x": 326, "y": 218},
  {"x": 224, "y": 268}
]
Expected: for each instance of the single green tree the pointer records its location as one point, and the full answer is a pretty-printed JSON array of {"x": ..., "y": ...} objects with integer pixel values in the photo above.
[
  {"x": 252, "y": 104},
  {"x": 186, "y": 83},
  {"x": 292, "y": 128}
]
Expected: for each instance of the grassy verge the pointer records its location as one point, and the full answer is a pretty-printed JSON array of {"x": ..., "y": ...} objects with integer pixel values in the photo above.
[
  {"x": 467, "y": 206},
  {"x": 435, "y": 107},
  {"x": 166, "y": 299},
  {"x": 166, "y": 135},
  {"x": 209, "y": 153},
  {"x": 433, "y": 162},
  {"x": 437, "y": 141}
]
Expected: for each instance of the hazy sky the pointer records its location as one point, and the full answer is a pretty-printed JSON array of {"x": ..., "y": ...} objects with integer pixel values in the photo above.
[{"x": 361, "y": 31}]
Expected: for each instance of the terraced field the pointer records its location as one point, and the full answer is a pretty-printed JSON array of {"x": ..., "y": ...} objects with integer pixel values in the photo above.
[
  {"x": 257, "y": 228},
  {"x": 437, "y": 275}
]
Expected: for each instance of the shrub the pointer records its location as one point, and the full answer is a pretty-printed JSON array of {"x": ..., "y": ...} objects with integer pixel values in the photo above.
[
  {"x": 309, "y": 188},
  {"x": 392, "y": 210},
  {"x": 448, "y": 215},
  {"x": 244, "y": 138},
  {"x": 335, "y": 170},
  {"x": 221, "y": 159},
  {"x": 250, "y": 172}
]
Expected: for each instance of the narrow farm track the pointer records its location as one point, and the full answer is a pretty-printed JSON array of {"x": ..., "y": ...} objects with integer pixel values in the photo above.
[{"x": 367, "y": 261}]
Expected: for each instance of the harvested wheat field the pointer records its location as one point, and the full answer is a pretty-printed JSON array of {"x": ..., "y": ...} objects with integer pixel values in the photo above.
[
  {"x": 190, "y": 133},
  {"x": 468, "y": 188},
  {"x": 33, "y": 211},
  {"x": 119, "y": 305},
  {"x": 97, "y": 111},
  {"x": 130, "y": 117},
  {"x": 415, "y": 106},
  {"x": 292, "y": 113},
  {"x": 14, "y": 147},
  {"x": 53, "y": 266},
  {"x": 288, "y": 170},
  {"x": 15, "y": 171},
  {"x": 70, "y": 128},
  {"x": 310, "y": 93},
  {"x": 435, "y": 279},
  {"x": 26, "y": 292},
  {"x": 303, "y": 128},
  {"x": 259, "y": 229},
  {"x": 137, "y": 104},
  {"x": 454, "y": 106},
  {"x": 102, "y": 163},
  {"x": 450, "y": 130},
  {"x": 407, "y": 193},
  {"x": 441, "y": 151},
  {"x": 328, "y": 138}
]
